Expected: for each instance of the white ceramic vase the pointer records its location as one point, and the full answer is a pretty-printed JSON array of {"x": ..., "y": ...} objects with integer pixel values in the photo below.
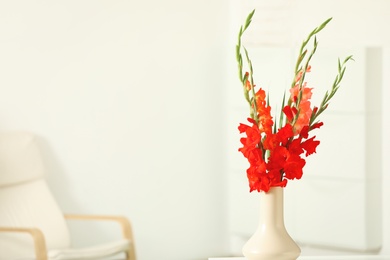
[{"x": 271, "y": 240}]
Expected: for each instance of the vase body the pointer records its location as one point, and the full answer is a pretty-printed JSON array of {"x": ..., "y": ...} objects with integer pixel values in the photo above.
[{"x": 271, "y": 240}]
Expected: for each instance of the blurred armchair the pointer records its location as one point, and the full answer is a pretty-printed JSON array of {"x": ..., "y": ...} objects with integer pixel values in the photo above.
[{"x": 32, "y": 225}]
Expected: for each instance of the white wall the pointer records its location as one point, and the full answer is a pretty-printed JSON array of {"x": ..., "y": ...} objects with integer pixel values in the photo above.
[{"x": 127, "y": 98}]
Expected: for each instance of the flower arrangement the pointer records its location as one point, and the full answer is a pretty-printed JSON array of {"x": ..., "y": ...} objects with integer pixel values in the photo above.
[{"x": 275, "y": 149}]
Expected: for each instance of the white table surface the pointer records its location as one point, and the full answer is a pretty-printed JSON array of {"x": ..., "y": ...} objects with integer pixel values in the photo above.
[{"x": 352, "y": 257}]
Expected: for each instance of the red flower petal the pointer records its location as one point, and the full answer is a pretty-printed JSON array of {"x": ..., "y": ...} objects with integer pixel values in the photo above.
[
  {"x": 242, "y": 128},
  {"x": 317, "y": 125},
  {"x": 285, "y": 133},
  {"x": 288, "y": 112},
  {"x": 277, "y": 158},
  {"x": 310, "y": 146},
  {"x": 270, "y": 141},
  {"x": 294, "y": 167},
  {"x": 295, "y": 147},
  {"x": 305, "y": 132}
]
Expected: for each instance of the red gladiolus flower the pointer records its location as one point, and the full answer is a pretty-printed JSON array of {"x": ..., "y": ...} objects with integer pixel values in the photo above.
[
  {"x": 264, "y": 112},
  {"x": 276, "y": 153},
  {"x": 295, "y": 146},
  {"x": 310, "y": 146},
  {"x": 294, "y": 167},
  {"x": 303, "y": 107}
]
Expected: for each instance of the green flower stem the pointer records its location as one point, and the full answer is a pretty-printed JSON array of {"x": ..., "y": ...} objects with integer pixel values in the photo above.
[
  {"x": 301, "y": 66},
  {"x": 249, "y": 96},
  {"x": 328, "y": 96},
  {"x": 303, "y": 52},
  {"x": 253, "y": 103},
  {"x": 238, "y": 46}
]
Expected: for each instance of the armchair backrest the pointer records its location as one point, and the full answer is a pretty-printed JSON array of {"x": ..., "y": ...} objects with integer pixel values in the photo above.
[{"x": 25, "y": 199}]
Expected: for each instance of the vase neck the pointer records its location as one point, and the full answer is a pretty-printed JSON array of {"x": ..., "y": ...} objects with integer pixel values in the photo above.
[{"x": 271, "y": 206}]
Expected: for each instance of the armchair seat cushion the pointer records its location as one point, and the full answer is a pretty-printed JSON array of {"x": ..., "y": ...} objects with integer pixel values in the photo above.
[{"x": 94, "y": 252}]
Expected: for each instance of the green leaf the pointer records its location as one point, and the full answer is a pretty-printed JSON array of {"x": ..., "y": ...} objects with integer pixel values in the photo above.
[{"x": 249, "y": 19}]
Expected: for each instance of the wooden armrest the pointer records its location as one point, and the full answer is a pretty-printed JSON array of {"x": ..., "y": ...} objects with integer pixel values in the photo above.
[
  {"x": 122, "y": 221},
  {"x": 38, "y": 238}
]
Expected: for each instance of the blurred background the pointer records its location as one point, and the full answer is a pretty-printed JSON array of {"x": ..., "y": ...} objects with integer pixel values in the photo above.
[{"x": 136, "y": 104}]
